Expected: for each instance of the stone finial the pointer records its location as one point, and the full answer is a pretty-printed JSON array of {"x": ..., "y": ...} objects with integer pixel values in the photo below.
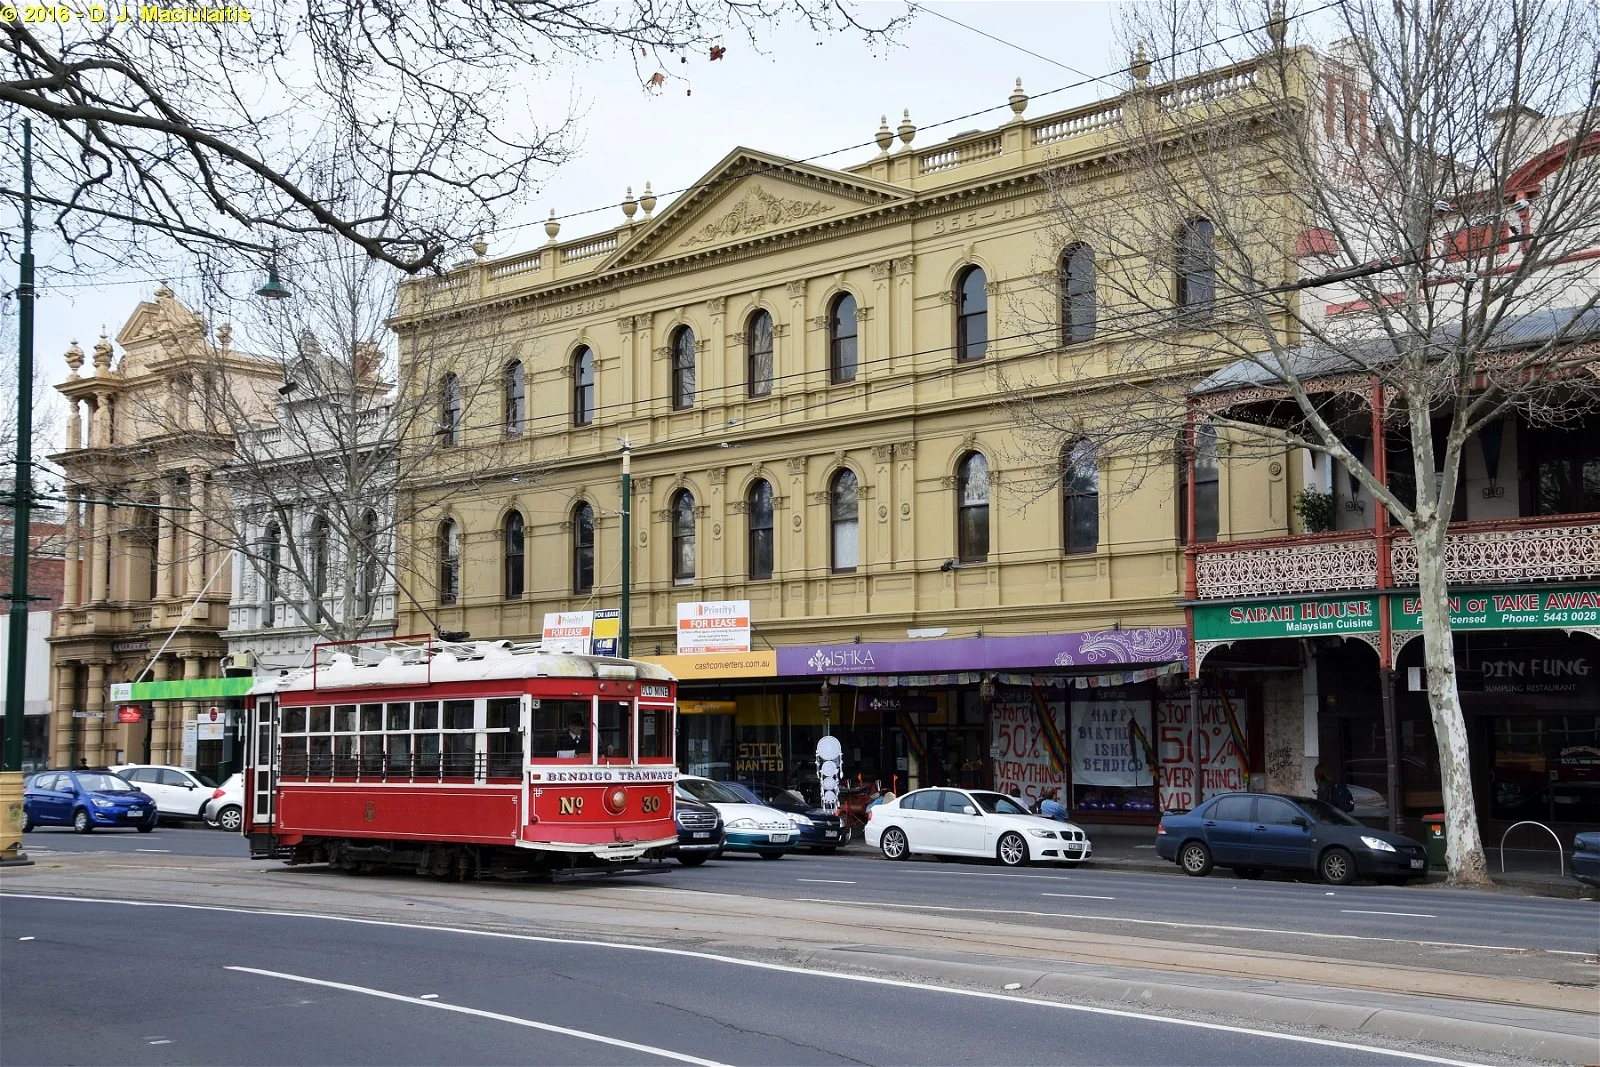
[
  {"x": 884, "y": 136},
  {"x": 648, "y": 200},
  {"x": 906, "y": 130},
  {"x": 102, "y": 355},
  {"x": 1018, "y": 100},
  {"x": 1140, "y": 68},
  {"x": 1277, "y": 24},
  {"x": 552, "y": 225},
  {"x": 629, "y": 205},
  {"x": 480, "y": 247},
  {"x": 74, "y": 359},
  {"x": 163, "y": 291}
]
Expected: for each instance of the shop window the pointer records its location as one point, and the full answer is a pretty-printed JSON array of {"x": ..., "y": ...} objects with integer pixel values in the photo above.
[
  {"x": 758, "y": 511},
  {"x": 844, "y": 522},
  {"x": 972, "y": 315},
  {"x": 1077, "y": 283},
  {"x": 515, "y": 559},
  {"x": 758, "y": 354},
  {"x": 683, "y": 536},
  {"x": 972, "y": 508},
  {"x": 683, "y": 353},
  {"x": 842, "y": 339}
]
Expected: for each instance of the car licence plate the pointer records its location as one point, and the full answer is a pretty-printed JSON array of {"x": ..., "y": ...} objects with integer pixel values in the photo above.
[
  {"x": 779, "y": 838},
  {"x": 136, "y": 813},
  {"x": 830, "y": 833},
  {"x": 701, "y": 834},
  {"x": 1416, "y": 864}
]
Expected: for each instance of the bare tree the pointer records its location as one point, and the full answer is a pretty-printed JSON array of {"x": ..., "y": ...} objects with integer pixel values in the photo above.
[
  {"x": 402, "y": 129},
  {"x": 1404, "y": 217}
]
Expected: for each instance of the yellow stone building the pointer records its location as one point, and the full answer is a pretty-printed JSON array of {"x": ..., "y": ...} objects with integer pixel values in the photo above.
[{"x": 805, "y": 363}]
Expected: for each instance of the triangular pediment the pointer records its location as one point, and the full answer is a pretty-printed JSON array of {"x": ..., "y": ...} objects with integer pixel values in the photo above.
[
  {"x": 158, "y": 329},
  {"x": 751, "y": 195}
]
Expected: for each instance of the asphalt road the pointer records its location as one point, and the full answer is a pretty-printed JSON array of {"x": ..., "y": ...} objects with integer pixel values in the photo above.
[{"x": 96, "y": 982}]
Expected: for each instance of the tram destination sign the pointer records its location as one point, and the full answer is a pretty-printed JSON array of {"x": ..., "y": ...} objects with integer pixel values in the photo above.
[
  {"x": 1572, "y": 606},
  {"x": 1286, "y": 618}
]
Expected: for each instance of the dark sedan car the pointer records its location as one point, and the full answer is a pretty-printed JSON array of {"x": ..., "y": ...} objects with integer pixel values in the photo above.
[
  {"x": 821, "y": 830},
  {"x": 1255, "y": 832},
  {"x": 1586, "y": 857},
  {"x": 700, "y": 832}
]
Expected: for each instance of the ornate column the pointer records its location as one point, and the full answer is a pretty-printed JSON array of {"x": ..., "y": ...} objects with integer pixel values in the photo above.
[
  {"x": 74, "y": 425},
  {"x": 192, "y": 664},
  {"x": 97, "y": 553},
  {"x": 160, "y": 712},
  {"x": 71, "y": 592},
  {"x": 195, "y": 541},
  {"x": 163, "y": 589},
  {"x": 94, "y": 729},
  {"x": 66, "y": 693},
  {"x": 789, "y": 357}
]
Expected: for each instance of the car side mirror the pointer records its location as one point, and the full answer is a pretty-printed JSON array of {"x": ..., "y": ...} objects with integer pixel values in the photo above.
[
  {"x": 1301, "y": 821},
  {"x": 969, "y": 810}
]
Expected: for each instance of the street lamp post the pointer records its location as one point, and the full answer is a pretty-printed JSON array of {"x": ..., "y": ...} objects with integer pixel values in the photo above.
[
  {"x": 625, "y": 605},
  {"x": 21, "y": 521}
]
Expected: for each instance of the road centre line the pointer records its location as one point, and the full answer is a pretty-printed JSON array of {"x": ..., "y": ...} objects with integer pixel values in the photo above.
[
  {"x": 1402, "y": 914},
  {"x": 582, "y": 1035},
  {"x": 761, "y": 965},
  {"x": 1078, "y": 896},
  {"x": 1171, "y": 924},
  {"x": 834, "y": 881}
]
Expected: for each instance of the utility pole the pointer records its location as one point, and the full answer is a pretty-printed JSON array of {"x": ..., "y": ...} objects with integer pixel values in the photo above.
[
  {"x": 21, "y": 523},
  {"x": 627, "y": 549}
]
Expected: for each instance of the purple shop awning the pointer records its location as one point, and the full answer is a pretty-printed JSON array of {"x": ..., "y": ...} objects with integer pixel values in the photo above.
[{"x": 1161, "y": 644}]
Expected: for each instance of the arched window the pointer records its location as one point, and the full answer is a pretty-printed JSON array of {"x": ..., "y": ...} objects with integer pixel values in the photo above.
[
  {"x": 319, "y": 557},
  {"x": 1080, "y": 498},
  {"x": 842, "y": 339},
  {"x": 758, "y": 353},
  {"x": 583, "y": 549},
  {"x": 682, "y": 368},
  {"x": 1206, "y": 484},
  {"x": 844, "y": 521},
  {"x": 972, "y": 508},
  {"x": 514, "y": 549},
  {"x": 972, "y": 315},
  {"x": 583, "y": 386},
  {"x": 758, "y": 507},
  {"x": 682, "y": 511},
  {"x": 516, "y": 398},
  {"x": 1197, "y": 267},
  {"x": 272, "y": 556},
  {"x": 367, "y": 575},
  {"x": 449, "y": 549},
  {"x": 1077, "y": 294},
  {"x": 450, "y": 409}
]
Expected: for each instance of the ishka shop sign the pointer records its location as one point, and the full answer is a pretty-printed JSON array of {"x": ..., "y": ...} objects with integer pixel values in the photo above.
[
  {"x": 1286, "y": 618},
  {"x": 1565, "y": 606}
]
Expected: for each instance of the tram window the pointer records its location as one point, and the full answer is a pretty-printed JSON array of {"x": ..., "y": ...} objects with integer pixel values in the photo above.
[
  {"x": 294, "y": 756},
  {"x": 550, "y": 734},
  {"x": 652, "y": 731},
  {"x": 503, "y": 714},
  {"x": 371, "y": 754},
  {"x": 399, "y": 717},
  {"x": 344, "y": 719},
  {"x": 427, "y": 754},
  {"x": 344, "y": 755},
  {"x": 294, "y": 720},
  {"x": 319, "y": 764},
  {"x": 321, "y": 719},
  {"x": 458, "y": 753},
  {"x": 428, "y": 715},
  {"x": 371, "y": 718},
  {"x": 458, "y": 714},
  {"x": 399, "y": 752},
  {"x": 616, "y": 729}
]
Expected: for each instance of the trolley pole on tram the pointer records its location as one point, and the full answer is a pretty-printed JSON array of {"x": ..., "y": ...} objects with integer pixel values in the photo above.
[
  {"x": 21, "y": 523},
  {"x": 627, "y": 550}
]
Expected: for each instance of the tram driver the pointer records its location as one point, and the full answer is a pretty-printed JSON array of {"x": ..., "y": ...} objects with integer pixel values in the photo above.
[{"x": 575, "y": 742}]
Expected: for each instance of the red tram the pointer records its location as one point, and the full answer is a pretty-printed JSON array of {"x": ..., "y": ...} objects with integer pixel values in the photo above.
[{"x": 461, "y": 760}]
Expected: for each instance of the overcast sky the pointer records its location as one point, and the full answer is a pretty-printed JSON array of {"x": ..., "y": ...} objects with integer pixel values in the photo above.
[{"x": 799, "y": 97}]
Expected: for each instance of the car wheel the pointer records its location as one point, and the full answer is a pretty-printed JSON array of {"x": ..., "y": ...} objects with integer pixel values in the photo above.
[
  {"x": 693, "y": 859},
  {"x": 231, "y": 818},
  {"x": 151, "y": 825},
  {"x": 826, "y": 850},
  {"x": 1195, "y": 859},
  {"x": 1012, "y": 850},
  {"x": 1249, "y": 874},
  {"x": 894, "y": 845},
  {"x": 81, "y": 822},
  {"x": 1338, "y": 867},
  {"x": 27, "y": 820},
  {"x": 770, "y": 854}
]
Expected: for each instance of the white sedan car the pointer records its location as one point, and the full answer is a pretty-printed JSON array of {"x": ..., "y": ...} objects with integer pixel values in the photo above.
[
  {"x": 179, "y": 793},
  {"x": 226, "y": 806},
  {"x": 968, "y": 822}
]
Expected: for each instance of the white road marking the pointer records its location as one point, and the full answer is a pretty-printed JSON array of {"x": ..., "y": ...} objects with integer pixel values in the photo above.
[
  {"x": 25, "y": 938},
  {"x": 1552, "y": 951},
  {"x": 429, "y": 996},
  {"x": 163, "y": 1041},
  {"x": 783, "y": 968},
  {"x": 582, "y": 1035},
  {"x": 1402, "y": 914},
  {"x": 1078, "y": 896},
  {"x": 834, "y": 881},
  {"x": 152, "y": 850},
  {"x": 1171, "y": 924}
]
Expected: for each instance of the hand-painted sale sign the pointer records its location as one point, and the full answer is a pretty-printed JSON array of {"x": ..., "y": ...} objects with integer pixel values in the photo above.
[
  {"x": 1016, "y": 743},
  {"x": 1221, "y": 742}
]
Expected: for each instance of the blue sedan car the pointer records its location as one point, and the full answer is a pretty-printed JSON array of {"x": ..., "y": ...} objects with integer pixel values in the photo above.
[
  {"x": 1255, "y": 832},
  {"x": 85, "y": 800}
]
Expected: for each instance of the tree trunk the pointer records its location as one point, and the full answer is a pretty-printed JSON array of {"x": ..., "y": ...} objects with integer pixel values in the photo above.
[{"x": 1464, "y": 853}]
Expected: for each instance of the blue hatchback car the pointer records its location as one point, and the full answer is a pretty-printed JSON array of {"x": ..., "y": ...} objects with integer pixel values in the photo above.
[{"x": 85, "y": 800}]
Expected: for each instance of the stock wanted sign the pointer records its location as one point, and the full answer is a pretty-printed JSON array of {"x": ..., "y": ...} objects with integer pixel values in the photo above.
[
  {"x": 713, "y": 626},
  {"x": 568, "y": 631}
]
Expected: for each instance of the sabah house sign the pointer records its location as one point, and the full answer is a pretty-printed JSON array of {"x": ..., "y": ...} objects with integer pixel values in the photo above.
[{"x": 1566, "y": 607}]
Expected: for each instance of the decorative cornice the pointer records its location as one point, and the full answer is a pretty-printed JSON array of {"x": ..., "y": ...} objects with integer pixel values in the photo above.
[{"x": 759, "y": 211}]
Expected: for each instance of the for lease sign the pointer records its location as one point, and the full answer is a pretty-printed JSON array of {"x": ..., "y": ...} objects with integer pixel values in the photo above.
[
  {"x": 713, "y": 626},
  {"x": 568, "y": 631}
]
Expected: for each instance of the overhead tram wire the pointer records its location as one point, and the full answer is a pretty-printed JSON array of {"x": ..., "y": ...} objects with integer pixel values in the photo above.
[{"x": 715, "y": 182}]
